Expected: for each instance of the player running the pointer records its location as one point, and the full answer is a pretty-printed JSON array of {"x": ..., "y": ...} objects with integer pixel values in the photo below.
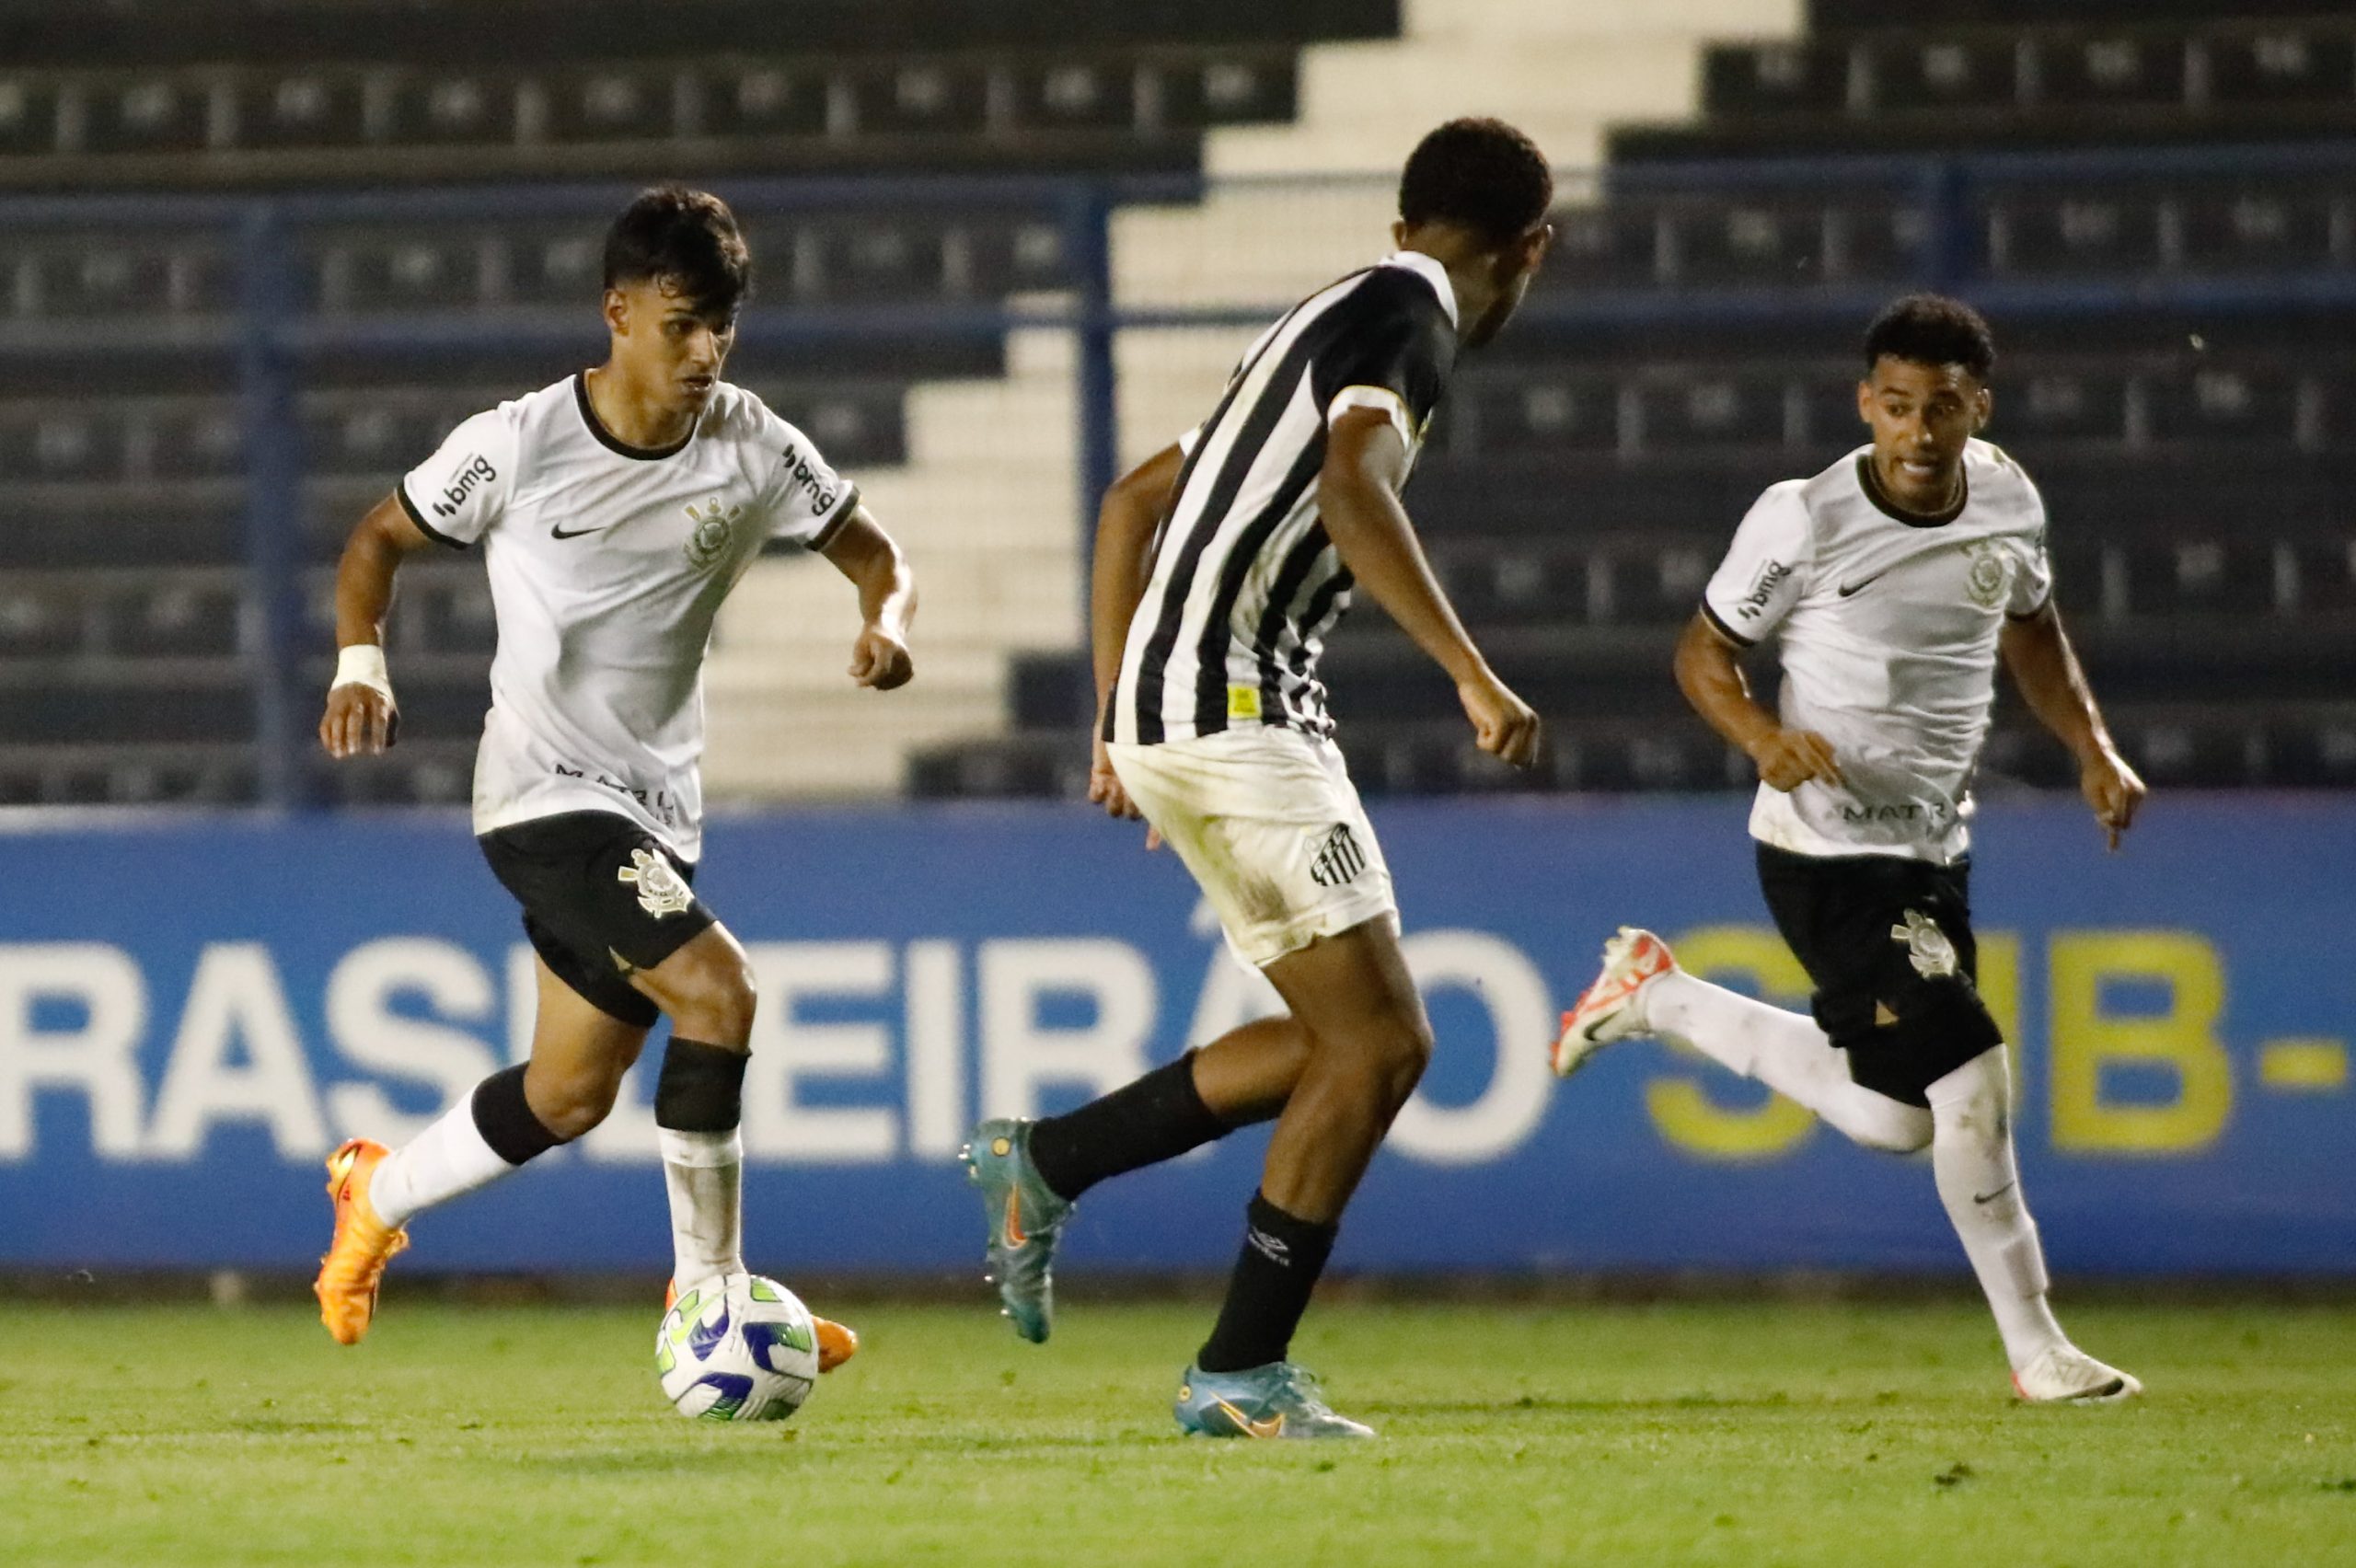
[
  {"x": 617, "y": 509},
  {"x": 1222, "y": 564},
  {"x": 1894, "y": 581}
]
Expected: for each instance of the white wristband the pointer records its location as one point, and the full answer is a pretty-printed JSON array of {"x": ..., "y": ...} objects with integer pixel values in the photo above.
[{"x": 363, "y": 663}]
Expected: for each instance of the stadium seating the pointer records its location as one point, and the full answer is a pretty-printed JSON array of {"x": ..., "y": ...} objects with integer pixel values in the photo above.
[{"x": 2055, "y": 80}]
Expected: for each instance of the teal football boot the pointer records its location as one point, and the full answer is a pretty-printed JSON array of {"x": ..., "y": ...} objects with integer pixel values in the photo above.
[
  {"x": 1279, "y": 1399},
  {"x": 1025, "y": 1218}
]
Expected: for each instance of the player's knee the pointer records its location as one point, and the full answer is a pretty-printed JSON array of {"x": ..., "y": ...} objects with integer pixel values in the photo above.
[
  {"x": 570, "y": 1104},
  {"x": 1881, "y": 1123},
  {"x": 1404, "y": 1050},
  {"x": 720, "y": 1003}
]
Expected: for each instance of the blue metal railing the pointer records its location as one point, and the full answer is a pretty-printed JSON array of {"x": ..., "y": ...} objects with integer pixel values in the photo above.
[{"x": 271, "y": 337}]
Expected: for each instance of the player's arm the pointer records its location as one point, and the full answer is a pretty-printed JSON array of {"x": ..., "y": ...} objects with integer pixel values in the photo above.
[
  {"x": 862, "y": 551},
  {"x": 1126, "y": 520},
  {"x": 1710, "y": 674},
  {"x": 2046, "y": 669},
  {"x": 1357, "y": 496},
  {"x": 361, "y": 717}
]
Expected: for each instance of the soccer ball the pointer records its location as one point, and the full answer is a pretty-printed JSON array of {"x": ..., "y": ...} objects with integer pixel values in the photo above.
[{"x": 736, "y": 1347}]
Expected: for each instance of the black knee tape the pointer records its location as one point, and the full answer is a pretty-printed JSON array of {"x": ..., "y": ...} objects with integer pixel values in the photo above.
[
  {"x": 701, "y": 1088},
  {"x": 504, "y": 1118}
]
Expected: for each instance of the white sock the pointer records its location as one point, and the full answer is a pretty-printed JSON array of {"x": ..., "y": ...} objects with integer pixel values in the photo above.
[
  {"x": 1971, "y": 1155},
  {"x": 704, "y": 1175},
  {"x": 1786, "y": 1051},
  {"x": 447, "y": 1159}
]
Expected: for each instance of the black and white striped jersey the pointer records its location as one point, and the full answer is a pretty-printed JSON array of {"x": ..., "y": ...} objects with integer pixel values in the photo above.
[{"x": 1245, "y": 583}]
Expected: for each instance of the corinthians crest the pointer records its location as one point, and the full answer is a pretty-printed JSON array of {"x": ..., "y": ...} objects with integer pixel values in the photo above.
[
  {"x": 661, "y": 889},
  {"x": 715, "y": 524},
  {"x": 1927, "y": 947},
  {"x": 1988, "y": 575}
]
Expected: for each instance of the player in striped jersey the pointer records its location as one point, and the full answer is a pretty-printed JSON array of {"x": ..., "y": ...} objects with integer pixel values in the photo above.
[{"x": 1222, "y": 564}]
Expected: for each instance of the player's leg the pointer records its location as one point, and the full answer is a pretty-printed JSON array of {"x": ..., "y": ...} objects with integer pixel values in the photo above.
[
  {"x": 1642, "y": 990},
  {"x": 1369, "y": 1041},
  {"x": 580, "y": 1053},
  {"x": 706, "y": 988},
  {"x": 1916, "y": 1030}
]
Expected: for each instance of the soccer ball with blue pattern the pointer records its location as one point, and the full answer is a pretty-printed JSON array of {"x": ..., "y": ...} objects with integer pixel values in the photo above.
[{"x": 736, "y": 1347}]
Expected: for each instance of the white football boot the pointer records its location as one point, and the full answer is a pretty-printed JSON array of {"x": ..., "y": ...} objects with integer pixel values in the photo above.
[
  {"x": 1614, "y": 1007},
  {"x": 2066, "y": 1375}
]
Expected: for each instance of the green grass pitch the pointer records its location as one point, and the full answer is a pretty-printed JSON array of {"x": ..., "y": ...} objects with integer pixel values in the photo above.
[{"x": 1779, "y": 1433}]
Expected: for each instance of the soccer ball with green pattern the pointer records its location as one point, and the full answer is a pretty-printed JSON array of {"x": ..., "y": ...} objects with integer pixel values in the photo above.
[{"x": 736, "y": 1347}]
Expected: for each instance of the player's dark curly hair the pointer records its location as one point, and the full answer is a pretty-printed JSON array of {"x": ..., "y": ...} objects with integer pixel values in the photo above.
[
  {"x": 688, "y": 235},
  {"x": 1480, "y": 175},
  {"x": 1928, "y": 329}
]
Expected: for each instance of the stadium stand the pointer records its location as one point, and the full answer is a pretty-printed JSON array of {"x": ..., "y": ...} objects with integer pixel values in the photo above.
[
  {"x": 2180, "y": 330},
  {"x": 2179, "y": 326}
]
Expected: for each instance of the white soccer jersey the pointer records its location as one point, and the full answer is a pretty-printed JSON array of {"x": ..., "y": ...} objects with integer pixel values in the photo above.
[
  {"x": 607, "y": 564},
  {"x": 1887, "y": 626}
]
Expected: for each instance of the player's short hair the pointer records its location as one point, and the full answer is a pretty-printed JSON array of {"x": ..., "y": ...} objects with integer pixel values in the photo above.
[
  {"x": 688, "y": 236},
  {"x": 1928, "y": 329},
  {"x": 1480, "y": 175}
]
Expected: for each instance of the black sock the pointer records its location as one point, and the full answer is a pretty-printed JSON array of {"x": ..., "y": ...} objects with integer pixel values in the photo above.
[
  {"x": 1279, "y": 1267},
  {"x": 1158, "y": 1117},
  {"x": 701, "y": 1088},
  {"x": 504, "y": 1118}
]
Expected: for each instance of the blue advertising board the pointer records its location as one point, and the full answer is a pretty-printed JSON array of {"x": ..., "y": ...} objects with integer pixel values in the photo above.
[{"x": 194, "y": 1011}]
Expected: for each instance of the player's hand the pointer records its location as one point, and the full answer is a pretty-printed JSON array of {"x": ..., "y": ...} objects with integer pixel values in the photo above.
[
  {"x": 1105, "y": 789},
  {"x": 1503, "y": 725},
  {"x": 360, "y": 720},
  {"x": 1789, "y": 758},
  {"x": 2111, "y": 788},
  {"x": 880, "y": 660}
]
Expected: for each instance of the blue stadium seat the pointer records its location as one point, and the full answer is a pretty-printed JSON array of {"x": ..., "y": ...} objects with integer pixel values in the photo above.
[
  {"x": 146, "y": 114},
  {"x": 452, "y": 108},
  {"x": 320, "y": 107},
  {"x": 171, "y": 621},
  {"x": 1225, "y": 89},
  {"x": 2242, "y": 404},
  {"x": 27, "y": 116},
  {"x": 38, "y": 620},
  {"x": 2111, "y": 70},
  {"x": 2284, "y": 63},
  {"x": 1089, "y": 95},
  {"x": 1775, "y": 79},
  {"x": 2095, "y": 231},
  {"x": 930, "y": 97},
  {"x": 1913, "y": 76},
  {"x": 772, "y": 98},
  {"x": 413, "y": 268},
  {"x": 613, "y": 103},
  {"x": 2238, "y": 229}
]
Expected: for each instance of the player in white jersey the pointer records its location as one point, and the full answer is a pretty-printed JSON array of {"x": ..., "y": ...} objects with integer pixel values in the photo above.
[
  {"x": 1221, "y": 564},
  {"x": 616, "y": 509},
  {"x": 1895, "y": 582}
]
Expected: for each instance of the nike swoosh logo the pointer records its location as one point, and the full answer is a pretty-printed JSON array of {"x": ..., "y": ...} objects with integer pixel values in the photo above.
[
  {"x": 1272, "y": 1428},
  {"x": 559, "y": 531},
  {"x": 1849, "y": 588},
  {"x": 1991, "y": 1197},
  {"x": 1015, "y": 1235}
]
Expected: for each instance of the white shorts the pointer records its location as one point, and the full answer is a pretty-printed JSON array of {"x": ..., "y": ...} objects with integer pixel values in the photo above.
[{"x": 1270, "y": 825}]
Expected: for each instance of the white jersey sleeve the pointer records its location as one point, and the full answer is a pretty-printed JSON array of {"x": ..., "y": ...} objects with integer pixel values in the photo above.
[
  {"x": 806, "y": 503},
  {"x": 1765, "y": 569},
  {"x": 461, "y": 491}
]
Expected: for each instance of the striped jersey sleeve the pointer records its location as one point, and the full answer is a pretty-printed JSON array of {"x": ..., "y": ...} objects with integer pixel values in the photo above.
[{"x": 1245, "y": 584}]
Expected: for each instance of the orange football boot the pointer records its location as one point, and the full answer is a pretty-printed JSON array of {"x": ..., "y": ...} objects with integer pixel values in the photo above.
[
  {"x": 837, "y": 1343},
  {"x": 354, "y": 1267}
]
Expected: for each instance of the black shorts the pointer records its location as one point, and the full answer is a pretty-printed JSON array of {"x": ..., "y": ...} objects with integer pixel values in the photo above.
[
  {"x": 601, "y": 898},
  {"x": 1883, "y": 937}
]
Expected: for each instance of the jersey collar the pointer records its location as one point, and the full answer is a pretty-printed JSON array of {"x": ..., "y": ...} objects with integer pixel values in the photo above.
[
  {"x": 1431, "y": 271},
  {"x": 1870, "y": 482},
  {"x": 613, "y": 442}
]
